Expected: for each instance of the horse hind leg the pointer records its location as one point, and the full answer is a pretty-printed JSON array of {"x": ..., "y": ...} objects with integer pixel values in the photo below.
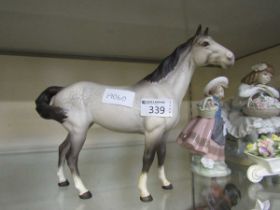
[
  {"x": 77, "y": 139},
  {"x": 63, "y": 149}
]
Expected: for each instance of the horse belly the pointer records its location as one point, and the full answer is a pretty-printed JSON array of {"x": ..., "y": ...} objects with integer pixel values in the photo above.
[{"x": 118, "y": 118}]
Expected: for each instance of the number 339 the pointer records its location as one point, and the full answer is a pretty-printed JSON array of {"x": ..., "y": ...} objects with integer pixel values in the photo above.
[{"x": 156, "y": 109}]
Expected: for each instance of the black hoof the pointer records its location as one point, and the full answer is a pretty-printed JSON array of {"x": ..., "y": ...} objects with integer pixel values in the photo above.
[
  {"x": 63, "y": 184},
  {"x": 168, "y": 187},
  {"x": 146, "y": 199},
  {"x": 86, "y": 195}
]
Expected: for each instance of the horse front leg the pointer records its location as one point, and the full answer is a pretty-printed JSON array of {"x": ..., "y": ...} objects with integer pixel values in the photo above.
[
  {"x": 151, "y": 143},
  {"x": 161, "y": 153},
  {"x": 148, "y": 158},
  {"x": 77, "y": 139}
]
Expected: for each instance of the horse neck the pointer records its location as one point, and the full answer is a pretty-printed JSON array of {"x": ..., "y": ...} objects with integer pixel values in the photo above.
[{"x": 179, "y": 79}]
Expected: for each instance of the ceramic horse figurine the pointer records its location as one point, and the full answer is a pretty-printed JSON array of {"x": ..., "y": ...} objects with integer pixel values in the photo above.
[{"x": 78, "y": 106}]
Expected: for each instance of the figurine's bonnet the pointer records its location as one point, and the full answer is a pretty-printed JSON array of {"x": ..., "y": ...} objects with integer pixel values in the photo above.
[
  {"x": 259, "y": 67},
  {"x": 251, "y": 78},
  {"x": 218, "y": 81}
]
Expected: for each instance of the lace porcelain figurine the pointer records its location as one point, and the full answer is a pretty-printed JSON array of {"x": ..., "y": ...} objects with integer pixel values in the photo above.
[
  {"x": 204, "y": 135},
  {"x": 256, "y": 108}
]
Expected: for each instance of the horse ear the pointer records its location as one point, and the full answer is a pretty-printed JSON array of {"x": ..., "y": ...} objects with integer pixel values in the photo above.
[
  {"x": 198, "y": 30},
  {"x": 206, "y": 31}
]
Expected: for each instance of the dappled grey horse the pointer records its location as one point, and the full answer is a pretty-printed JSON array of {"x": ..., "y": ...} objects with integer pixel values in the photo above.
[{"x": 150, "y": 107}]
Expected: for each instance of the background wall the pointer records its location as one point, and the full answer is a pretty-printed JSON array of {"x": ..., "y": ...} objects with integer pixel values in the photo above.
[{"x": 23, "y": 78}]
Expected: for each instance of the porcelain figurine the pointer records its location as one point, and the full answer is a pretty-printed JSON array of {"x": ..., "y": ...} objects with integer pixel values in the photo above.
[
  {"x": 204, "y": 136},
  {"x": 254, "y": 88},
  {"x": 150, "y": 107},
  {"x": 254, "y": 111}
]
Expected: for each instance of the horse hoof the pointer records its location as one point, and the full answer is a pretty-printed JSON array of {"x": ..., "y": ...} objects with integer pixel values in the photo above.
[
  {"x": 146, "y": 199},
  {"x": 86, "y": 195},
  {"x": 168, "y": 187},
  {"x": 63, "y": 184}
]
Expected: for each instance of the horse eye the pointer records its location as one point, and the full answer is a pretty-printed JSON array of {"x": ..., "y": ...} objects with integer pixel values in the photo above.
[{"x": 205, "y": 44}]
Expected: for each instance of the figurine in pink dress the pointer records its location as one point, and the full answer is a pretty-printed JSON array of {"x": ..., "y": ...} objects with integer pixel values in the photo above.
[{"x": 204, "y": 135}]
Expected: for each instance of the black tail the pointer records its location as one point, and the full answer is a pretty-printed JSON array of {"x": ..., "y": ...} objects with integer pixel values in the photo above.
[{"x": 43, "y": 105}]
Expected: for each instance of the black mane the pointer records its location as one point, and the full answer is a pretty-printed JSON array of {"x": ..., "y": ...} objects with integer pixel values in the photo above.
[{"x": 168, "y": 64}]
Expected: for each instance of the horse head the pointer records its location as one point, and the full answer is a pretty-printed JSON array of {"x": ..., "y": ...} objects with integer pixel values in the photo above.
[{"x": 207, "y": 52}]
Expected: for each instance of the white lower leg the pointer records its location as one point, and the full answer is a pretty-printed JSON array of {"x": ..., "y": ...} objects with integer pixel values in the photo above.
[
  {"x": 162, "y": 176},
  {"x": 60, "y": 175},
  {"x": 142, "y": 185},
  {"x": 79, "y": 184}
]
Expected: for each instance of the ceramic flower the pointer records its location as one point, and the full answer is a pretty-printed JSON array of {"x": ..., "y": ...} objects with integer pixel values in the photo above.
[
  {"x": 251, "y": 147},
  {"x": 275, "y": 137},
  {"x": 265, "y": 146},
  {"x": 265, "y": 102}
]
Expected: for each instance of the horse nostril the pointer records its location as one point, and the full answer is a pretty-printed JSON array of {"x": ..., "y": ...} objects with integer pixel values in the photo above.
[{"x": 229, "y": 55}]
